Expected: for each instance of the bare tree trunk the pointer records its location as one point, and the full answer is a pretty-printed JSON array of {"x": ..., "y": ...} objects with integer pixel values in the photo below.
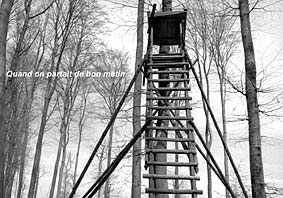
[
  {"x": 55, "y": 171},
  {"x": 37, "y": 156},
  {"x": 15, "y": 141},
  {"x": 100, "y": 167},
  {"x": 161, "y": 157},
  {"x": 22, "y": 164},
  {"x": 30, "y": 88},
  {"x": 63, "y": 139},
  {"x": 65, "y": 183},
  {"x": 208, "y": 137},
  {"x": 62, "y": 166},
  {"x": 136, "y": 168},
  {"x": 77, "y": 154},
  {"x": 5, "y": 10},
  {"x": 224, "y": 123},
  {"x": 256, "y": 166},
  {"x": 24, "y": 143},
  {"x": 107, "y": 183},
  {"x": 67, "y": 175},
  {"x": 79, "y": 145},
  {"x": 36, "y": 184},
  {"x": 9, "y": 184},
  {"x": 81, "y": 124}
]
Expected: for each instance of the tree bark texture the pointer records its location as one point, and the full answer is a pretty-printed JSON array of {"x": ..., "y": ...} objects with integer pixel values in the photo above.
[
  {"x": 5, "y": 10},
  {"x": 26, "y": 116},
  {"x": 81, "y": 124},
  {"x": 161, "y": 157},
  {"x": 222, "y": 88},
  {"x": 224, "y": 123},
  {"x": 256, "y": 165},
  {"x": 208, "y": 134},
  {"x": 109, "y": 154},
  {"x": 100, "y": 163},
  {"x": 62, "y": 165},
  {"x": 37, "y": 156},
  {"x": 56, "y": 167},
  {"x": 136, "y": 168}
]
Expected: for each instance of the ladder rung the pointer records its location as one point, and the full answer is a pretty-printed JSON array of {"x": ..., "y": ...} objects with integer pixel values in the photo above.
[
  {"x": 170, "y": 151},
  {"x": 170, "y": 80},
  {"x": 172, "y": 191},
  {"x": 174, "y": 64},
  {"x": 171, "y": 54},
  {"x": 167, "y": 66},
  {"x": 169, "y": 118},
  {"x": 170, "y": 139},
  {"x": 171, "y": 108},
  {"x": 170, "y": 72},
  {"x": 167, "y": 57},
  {"x": 169, "y": 98},
  {"x": 189, "y": 164},
  {"x": 170, "y": 128},
  {"x": 181, "y": 177},
  {"x": 169, "y": 88}
]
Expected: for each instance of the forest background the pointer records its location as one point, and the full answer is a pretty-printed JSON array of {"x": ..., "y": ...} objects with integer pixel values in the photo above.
[{"x": 52, "y": 124}]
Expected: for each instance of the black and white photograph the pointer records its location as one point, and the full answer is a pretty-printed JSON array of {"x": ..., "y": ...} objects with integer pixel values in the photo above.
[{"x": 141, "y": 99}]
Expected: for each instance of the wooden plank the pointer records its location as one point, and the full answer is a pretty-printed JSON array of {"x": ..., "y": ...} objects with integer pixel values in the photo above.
[
  {"x": 169, "y": 89},
  {"x": 171, "y": 54},
  {"x": 170, "y": 128},
  {"x": 169, "y": 98},
  {"x": 172, "y": 191},
  {"x": 170, "y": 80},
  {"x": 188, "y": 164},
  {"x": 169, "y": 139},
  {"x": 172, "y": 64},
  {"x": 181, "y": 177},
  {"x": 169, "y": 72},
  {"x": 170, "y": 151},
  {"x": 169, "y": 118},
  {"x": 171, "y": 108}
]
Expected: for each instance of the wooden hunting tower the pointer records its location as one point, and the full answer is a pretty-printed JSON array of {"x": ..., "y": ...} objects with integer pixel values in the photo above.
[
  {"x": 169, "y": 138},
  {"x": 170, "y": 146}
]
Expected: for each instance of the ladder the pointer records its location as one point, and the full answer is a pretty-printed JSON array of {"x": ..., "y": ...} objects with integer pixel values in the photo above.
[{"x": 170, "y": 153}]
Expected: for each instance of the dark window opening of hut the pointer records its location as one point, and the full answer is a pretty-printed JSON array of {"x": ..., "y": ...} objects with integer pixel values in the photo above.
[{"x": 167, "y": 27}]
